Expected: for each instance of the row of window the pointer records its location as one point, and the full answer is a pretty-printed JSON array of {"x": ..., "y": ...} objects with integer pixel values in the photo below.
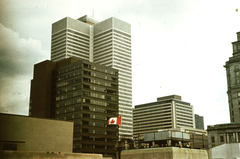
[
  {"x": 101, "y": 69},
  {"x": 99, "y": 102},
  {"x": 69, "y": 116},
  {"x": 68, "y": 109},
  {"x": 78, "y": 115},
  {"x": 135, "y": 122},
  {"x": 92, "y": 109},
  {"x": 77, "y": 33},
  {"x": 231, "y": 138},
  {"x": 68, "y": 102},
  {"x": 78, "y": 137},
  {"x": 68, "y": 82},
  {"x": 59, "y": 43},
  {"x": 68, "y": 88},
  {"x": 68, "y": 95},
  {"x": 103, "y": 33},
  {"x": 98, "y": 81},
  {"x": 99, "y": 75},
  {"x": 78, "y": 39},
  {"x": 103, "y": 41},
  {"x": 74, "y": 50},
  {"x": 127, "y": 41},
  {"x": 99, "y": 88},
  {"x": 69, "y": 68},
  {"x": 69, "y": 75},
  {"x": 122, "y": 45},
  {"x": 76, "y": 44},
  {"x": 122, "y": 34},
  {"x": 119, "y": 58},
  {"x": 102, "y": 96},
  {"x": 97, "y": 48}
]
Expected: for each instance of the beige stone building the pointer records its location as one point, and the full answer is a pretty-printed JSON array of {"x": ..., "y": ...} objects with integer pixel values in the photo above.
[
  {"x": 233, "y": 81},
  {"x": 22, "y": 133},
  {"x": 223, "y": 133}
]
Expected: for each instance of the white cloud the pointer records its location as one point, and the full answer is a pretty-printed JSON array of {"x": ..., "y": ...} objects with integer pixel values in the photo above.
[
  {"x": 18, "y": 55},
  {"x": 178, "y": 47}
]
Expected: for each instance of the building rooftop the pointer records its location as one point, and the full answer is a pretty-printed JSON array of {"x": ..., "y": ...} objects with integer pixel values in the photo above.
[
  {"x": 224, "y": 126},
  {"x": 177, "y": 97},
  {"x": 88, "y": 19}
]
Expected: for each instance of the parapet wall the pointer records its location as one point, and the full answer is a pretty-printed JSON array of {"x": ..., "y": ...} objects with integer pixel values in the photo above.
[
  {"x": 165, "y": 153},
  {"x": 47, "y": 155}
]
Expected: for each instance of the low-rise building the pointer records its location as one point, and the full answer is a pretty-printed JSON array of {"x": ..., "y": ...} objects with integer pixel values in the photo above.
[
  {"x": 223, "y": 133},
  {"x": 178, "y": 137},
  {"x": 23, "y": 133},
  {"x": 168, "y": 112}
]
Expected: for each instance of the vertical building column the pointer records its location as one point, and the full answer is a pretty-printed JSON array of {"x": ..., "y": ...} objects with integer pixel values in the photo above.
[
  {"x": 91, "y": 44},
  {"x": 193, "y": 116},
  {"x": 227, "y": 138},
  {"x": 174, "y": 118},
  {"x": 237, "y": 139}
]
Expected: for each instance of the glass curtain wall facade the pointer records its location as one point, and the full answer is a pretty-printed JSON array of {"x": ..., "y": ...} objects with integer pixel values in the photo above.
[{"x": 87, "y": 94}]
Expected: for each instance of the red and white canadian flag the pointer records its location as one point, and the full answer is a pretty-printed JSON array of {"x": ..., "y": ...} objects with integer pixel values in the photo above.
[{"x": 115, "y": 121}]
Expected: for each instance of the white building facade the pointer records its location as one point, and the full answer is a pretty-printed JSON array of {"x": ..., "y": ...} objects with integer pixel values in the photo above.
[
  {"x": 167, "y": 113},
  {"x": 107, "y": 43}
]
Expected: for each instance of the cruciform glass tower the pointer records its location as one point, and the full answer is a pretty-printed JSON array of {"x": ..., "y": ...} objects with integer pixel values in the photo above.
[{"x": 107, "y": 43}]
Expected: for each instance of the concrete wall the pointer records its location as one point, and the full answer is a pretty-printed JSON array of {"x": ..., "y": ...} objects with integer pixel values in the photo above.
[
  {"x": 112, "y": 23},
  {"x": 164, "y": 153},
  {"x": 70, "y": 23},
  {"x": 35, "y": 134},
  {"x": 45, "y": 155},
  {"x": 225, "y": 151}
]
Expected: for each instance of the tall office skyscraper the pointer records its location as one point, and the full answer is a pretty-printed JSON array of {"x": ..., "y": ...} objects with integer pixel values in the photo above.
[
  {"x": 233, "y": 81},
  {"x": 107, "y": 43},
  {"x": 80, "y": 91}
]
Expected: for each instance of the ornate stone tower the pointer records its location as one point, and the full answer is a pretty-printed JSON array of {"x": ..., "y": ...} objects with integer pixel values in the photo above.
[{"x": 233, "y": 81}]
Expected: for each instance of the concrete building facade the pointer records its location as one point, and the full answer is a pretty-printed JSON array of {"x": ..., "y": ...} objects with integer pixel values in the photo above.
[
  {"x": 168, "y": 112},
  {"x": 22, "y": 133},
  {"x": 225, "y": 151},
  {"x": 199, "y": 121},
  {"x": 165, "y": 153},
  {"x": 233, "y": 81},
  {"x": 108, "y": 43},
  {"x": 79, "y": 91},
  {"x": 223, "y": 134}
]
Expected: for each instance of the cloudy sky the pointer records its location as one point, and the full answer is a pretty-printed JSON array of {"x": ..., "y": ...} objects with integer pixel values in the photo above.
[{"x": 178, "y": 47}]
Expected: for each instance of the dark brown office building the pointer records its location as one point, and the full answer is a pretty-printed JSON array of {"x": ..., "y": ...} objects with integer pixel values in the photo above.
[{"x": 79, "y": 91}]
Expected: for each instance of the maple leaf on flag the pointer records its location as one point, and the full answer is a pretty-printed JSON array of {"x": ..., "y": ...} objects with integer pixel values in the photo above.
[{"x": 112, "y": 121}]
